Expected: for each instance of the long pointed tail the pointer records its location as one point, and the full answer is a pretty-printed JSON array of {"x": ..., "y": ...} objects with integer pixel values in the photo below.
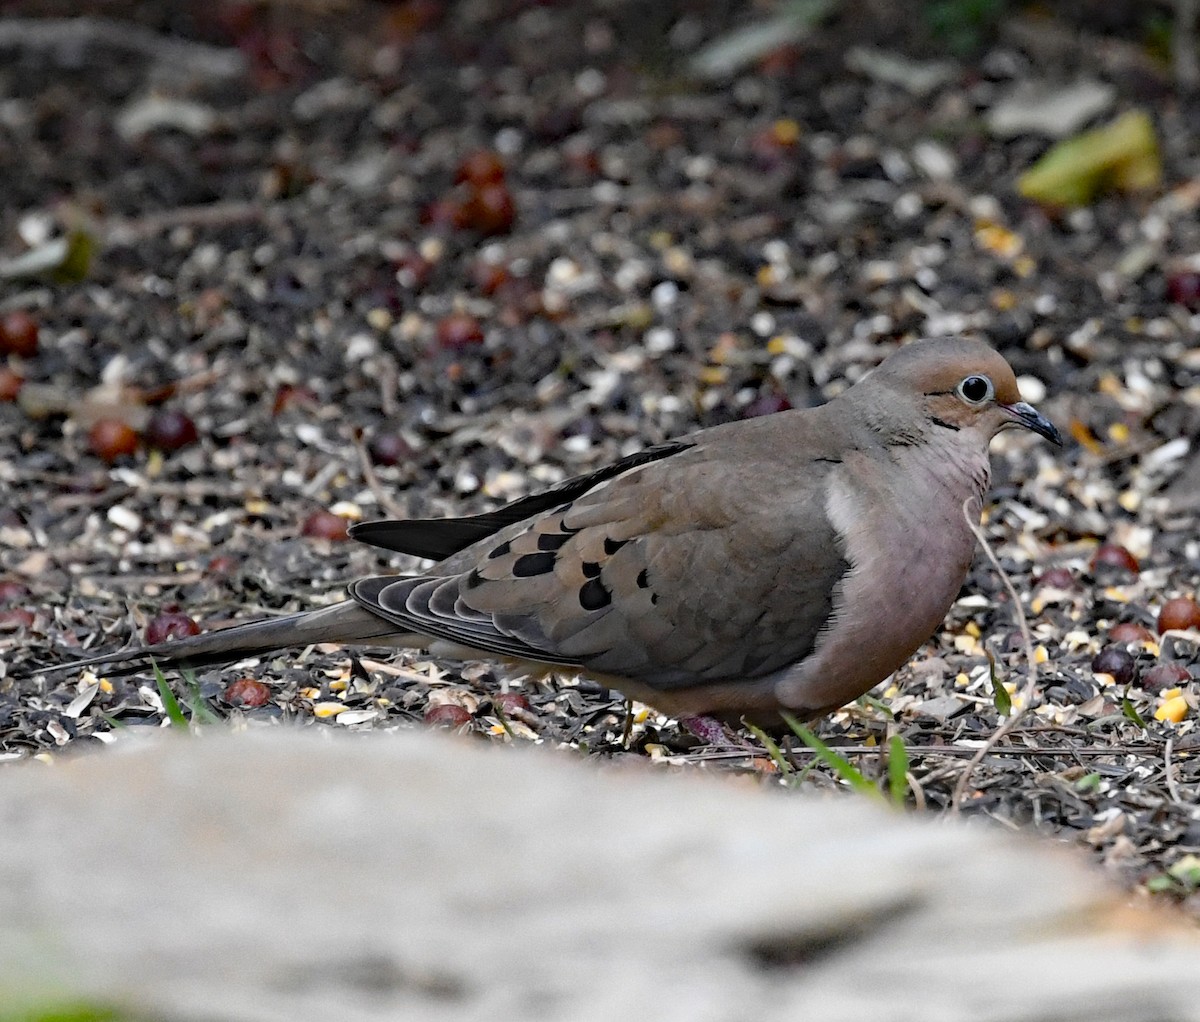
[{"x": 343, "y": 622}]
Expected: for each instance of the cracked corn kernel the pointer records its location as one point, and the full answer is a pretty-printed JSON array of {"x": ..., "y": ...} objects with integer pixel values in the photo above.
[
  {"x": 328, "y": 709},
  {"x": 998, "y": 240},
  {"x": 1174, "y": 710},
  {"x": 310, "y": 693},
  {"x": 967, "y": 644},
  {"x": 962, "y": 681},
  {"x": 768, "y": 276},
  {"x": 972, "y": 629},
  {"x": 1040, "y": 655}
]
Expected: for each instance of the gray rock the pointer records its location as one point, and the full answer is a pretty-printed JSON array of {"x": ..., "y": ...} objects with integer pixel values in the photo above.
[{"x": 319, "y": 876}]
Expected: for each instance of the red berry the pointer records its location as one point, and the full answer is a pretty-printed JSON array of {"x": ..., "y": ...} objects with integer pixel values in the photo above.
[
  {"x": 447, "y": 715},
  {"x": 1118, "y": 663},
  {"x": 170, "y": 625},
  {"x": 169, "y": 431},
  {"x": 324, "y": 525},
  {"x": 1056, "y": 578},
  {"x": 18, "y": 334},
  {"x": 1179, "y": 614},
  {"x": 15, "y": 618},
  {"x": 766, "y": 404},
  {"x": 1115, "y": 556},
  {"x": 389, "y": 449},
  {"x": 1129, "y": 631},
  {"x": 510, "y": 702},
  {"x": 491, "y": 209},
  {"x": 459, "y": 331},
  {"x": 10, "y": 384},
  {"x": 482, "y": 167},
  {"x": 1167, "y": 675},
  {"x": 249, "y": 692},
  {"x": 1183, "y": 288},
  {"x": 222, "y": 564},
  {"x": 12, "y": 591},
  {"x": 289, "y": 396},
  {"x": 111, "y": 439}
]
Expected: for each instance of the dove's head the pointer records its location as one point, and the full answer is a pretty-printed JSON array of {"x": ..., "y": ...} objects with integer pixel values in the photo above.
[{"x": 963, "y": 386}]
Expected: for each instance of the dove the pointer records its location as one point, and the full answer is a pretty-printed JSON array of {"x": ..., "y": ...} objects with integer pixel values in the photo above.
[{"x": 786, "y": 563}]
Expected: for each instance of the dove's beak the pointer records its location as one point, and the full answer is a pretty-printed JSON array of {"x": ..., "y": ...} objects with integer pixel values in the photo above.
[{"x": 1028, "y": 417}]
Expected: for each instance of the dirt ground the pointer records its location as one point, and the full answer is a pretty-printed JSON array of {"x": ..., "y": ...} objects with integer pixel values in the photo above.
[{"x": 280, "y": 256}]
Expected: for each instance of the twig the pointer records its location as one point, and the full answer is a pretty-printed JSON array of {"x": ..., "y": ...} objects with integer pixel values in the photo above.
[
  {"x": 382, "y": 497},
  {"x": 1172, "y": 787},
  {"x": 1027, "y": 692}
]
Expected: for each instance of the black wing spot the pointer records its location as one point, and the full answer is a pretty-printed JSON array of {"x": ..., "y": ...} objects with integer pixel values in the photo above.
[
  {"x": 654, "y": 599},
  {"x": 943, "y": 423},
  {"x": 529, "y": 565},
  {"x": 551, "y": 540},
  {"x": 590, "y": 569},
  {"x": 830, "y": 461},
  {"x": 643, "y": 579},
  {"x": 501, "y": 550},
  {"x": 474, "y": 579},
  {"x": 611, "y": 546},
  {"x": 593, "y": 595}
]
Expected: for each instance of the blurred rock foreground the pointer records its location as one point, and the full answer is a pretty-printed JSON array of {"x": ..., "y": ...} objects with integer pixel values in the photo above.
[{"x": 305, "y": 877}]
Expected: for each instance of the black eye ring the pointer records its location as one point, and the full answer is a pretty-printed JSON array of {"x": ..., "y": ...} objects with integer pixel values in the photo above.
[{"x": 976, "y": 389}]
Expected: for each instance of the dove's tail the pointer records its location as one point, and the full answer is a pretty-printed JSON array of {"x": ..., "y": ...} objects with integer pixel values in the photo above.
[{"x": 343, "y": 622}]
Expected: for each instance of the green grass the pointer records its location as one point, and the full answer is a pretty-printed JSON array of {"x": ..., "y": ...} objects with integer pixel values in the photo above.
[{"x": 200, "y": 713}]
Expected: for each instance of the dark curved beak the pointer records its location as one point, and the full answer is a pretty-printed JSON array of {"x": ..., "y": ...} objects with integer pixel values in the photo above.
[{"x": 1028, "y": 417}]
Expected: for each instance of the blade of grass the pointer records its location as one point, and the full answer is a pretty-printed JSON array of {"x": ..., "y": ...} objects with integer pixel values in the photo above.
[
  {"x": 201, "y": 714},
  {"x": 841, "y": 766},
  {"x": 1000, "y": 696},
  {"x": 773, "y": 750},
  {"x": 170, "y": 704},
  {"x": 897, "y": 771},
  {"x": 1130, "y": 710}
]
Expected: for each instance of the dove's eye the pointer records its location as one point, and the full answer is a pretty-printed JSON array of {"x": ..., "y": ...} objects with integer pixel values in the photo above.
[{"x": 976, "y": 389}]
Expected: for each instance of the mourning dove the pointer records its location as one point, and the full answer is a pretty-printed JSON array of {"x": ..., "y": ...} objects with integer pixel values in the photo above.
[{"x": 789, "y": 562}]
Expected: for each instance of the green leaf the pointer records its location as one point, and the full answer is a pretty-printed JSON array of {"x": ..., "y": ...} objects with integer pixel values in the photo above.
[
  {"x": 66, "y": 259},
  {"x": 170, "y": 704},
  {"x": 841, "y": 766},
  {"x": 1088, "y": 782},
  {"x": 897, "y": 771},
  {"x": 1000, "y": 696},
  {"x": 1186, "y": 871},
  {"x": 1130, "y": 710},
  {"x": 1122, "y": 156},
  {"x": 1161, "y": 884}
]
